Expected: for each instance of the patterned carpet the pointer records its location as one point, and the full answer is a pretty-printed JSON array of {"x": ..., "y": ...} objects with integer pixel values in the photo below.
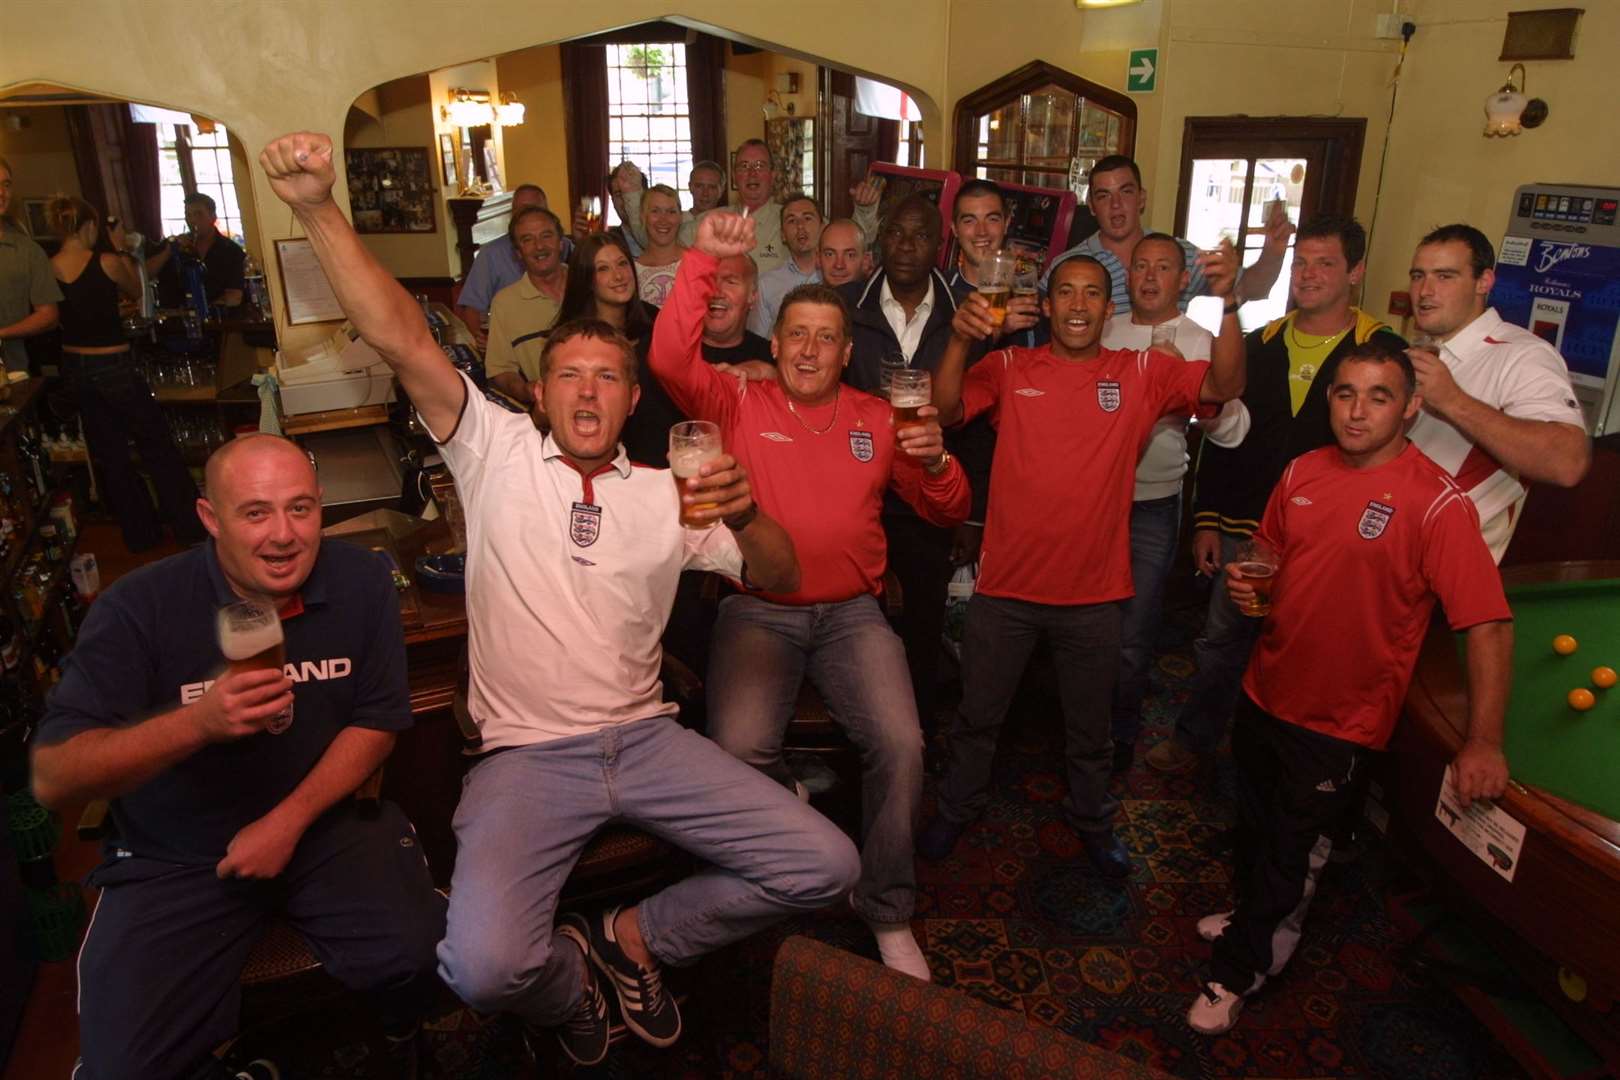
[{"x": 1016, "y": 919}]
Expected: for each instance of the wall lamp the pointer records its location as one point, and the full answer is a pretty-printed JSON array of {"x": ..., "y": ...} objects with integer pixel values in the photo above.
[
  {"x": 1508, "y": 111},
  {"x": 473, "y": 108}
]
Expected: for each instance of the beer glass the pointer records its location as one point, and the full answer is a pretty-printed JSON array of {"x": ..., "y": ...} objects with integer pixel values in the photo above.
[
  {"x": 691, "y": 444},
  {"x": 996, "y": 275},
  {"x": 1257, "y": 563},
  {"x": 250, "y": 637},
  {"x": 1165, "y": 333},
  {"x": 887, "y": 366},
  {"x": 909, "y": 390}
]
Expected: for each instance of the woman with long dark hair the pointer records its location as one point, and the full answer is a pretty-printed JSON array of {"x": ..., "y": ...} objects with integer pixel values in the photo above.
[
  {"x": 115, "y": 404},
  {"x": 602, "y": 285}
]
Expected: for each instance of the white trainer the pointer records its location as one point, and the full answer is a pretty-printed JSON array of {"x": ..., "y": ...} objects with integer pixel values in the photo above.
[
  {"x": 899, "y": 950},
  {"x": 1214, "y": 1010},
  {"x": 1213, "y": 926}
]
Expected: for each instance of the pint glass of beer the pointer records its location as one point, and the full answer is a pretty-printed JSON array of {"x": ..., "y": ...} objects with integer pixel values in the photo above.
[
  {"x": 691, "y": 443},
  {"x": 909, "y": 390},
  {"x": 250, "y": 637},
  {"x": 996, "y": 275},
  {"x": 1257, "y": 565}
]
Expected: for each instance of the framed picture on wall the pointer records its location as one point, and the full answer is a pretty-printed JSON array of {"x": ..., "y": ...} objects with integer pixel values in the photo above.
[
  {"x": 391, "y": 189},
  {"x": 447, "y": 161}
]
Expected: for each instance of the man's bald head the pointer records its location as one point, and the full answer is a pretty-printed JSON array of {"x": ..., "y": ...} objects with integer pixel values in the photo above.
[{"x": 251, "y": 452}]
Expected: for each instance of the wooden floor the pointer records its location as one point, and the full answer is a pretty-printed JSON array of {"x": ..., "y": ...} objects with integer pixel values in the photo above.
[{"x": 48, "y": 1038}]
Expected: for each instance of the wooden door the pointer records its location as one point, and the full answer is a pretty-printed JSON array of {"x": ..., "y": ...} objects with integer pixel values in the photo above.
[{"x": 854, "y": 141}]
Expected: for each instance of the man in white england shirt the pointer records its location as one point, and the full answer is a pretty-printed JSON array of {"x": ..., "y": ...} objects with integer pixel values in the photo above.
[{"x": 1498, "y": 408}]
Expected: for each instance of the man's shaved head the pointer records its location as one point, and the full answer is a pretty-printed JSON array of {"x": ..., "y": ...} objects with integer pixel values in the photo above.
[
  {"x": 263, "y": 509},
  {"x": 247, "y": 450}
]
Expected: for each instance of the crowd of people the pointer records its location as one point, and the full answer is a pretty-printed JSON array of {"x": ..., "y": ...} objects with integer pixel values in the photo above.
[{"x": 1384, "y": 478}]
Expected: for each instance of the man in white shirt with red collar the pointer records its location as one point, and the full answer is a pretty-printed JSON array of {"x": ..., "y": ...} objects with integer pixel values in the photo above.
[
  {"x": 573, "y": 558},
  {"x": 1498, "y": 408}
]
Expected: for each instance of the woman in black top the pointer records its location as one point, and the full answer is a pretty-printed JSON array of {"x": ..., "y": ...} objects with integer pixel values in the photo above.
[{"x": 115, "y": 404}]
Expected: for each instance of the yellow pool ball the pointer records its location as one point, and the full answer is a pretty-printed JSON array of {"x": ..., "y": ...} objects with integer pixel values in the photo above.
[
  {"x": 1603, "y": 677},
  {"x": 1580, "y": 699},
  {"x": 1563, "y": 644}
]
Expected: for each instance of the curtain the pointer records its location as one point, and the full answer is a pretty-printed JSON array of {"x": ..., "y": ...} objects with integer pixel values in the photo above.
[
  {"x": 784, "y": 135},
  {"x": 705, "y": 91},
  {"x": 117, "y": 163},
  {"x": 585, "y": 108},
  {"x": 141, "y": 159}
]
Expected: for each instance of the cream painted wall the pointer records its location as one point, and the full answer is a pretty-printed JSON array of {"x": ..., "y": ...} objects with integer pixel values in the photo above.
[
  {"x": 747, "y": 79},
  {"x": 41, "y": 154},
  {"x": 405, "y": 120},
  {"x": 537, "y": 150},
  {"x": 1442, "y": 169}
]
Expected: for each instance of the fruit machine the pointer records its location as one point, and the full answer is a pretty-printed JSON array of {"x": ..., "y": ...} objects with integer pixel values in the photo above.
[
  {"x": 939, "y": 186},
  {"x": 1038, "y": 223},
  {"x": 1558, "y": 275}
]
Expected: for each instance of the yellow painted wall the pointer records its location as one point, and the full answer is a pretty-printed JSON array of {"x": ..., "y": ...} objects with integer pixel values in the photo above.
[
  {"x": 41, "y": 155},
  {"x": 537, "y": 150},
  {"x": 747, "y": 80},
  {"x": 1442, "y": 169}
]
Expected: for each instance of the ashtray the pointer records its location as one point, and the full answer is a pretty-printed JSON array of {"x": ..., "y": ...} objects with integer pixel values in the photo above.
[{"x": 442, "y": 573}]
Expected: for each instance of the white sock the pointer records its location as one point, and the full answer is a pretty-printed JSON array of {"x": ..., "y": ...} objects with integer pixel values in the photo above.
[{"x": 900, "y": 951}]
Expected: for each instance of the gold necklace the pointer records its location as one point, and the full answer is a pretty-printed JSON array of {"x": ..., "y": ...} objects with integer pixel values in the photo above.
[
  {"x": 1293, "y": 332},
  {"x": 837, "y": 398}
]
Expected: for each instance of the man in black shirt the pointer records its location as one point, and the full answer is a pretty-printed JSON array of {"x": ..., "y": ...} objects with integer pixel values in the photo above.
[{"x": 222, "y": 259}]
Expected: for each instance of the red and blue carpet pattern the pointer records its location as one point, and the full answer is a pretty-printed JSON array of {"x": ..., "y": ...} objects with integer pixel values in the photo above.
[{"x": 1015, "y": 918}]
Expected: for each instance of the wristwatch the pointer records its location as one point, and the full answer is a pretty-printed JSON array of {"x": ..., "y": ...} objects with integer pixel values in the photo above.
[
  {"x": 944, "y": 463},
  {"x": 739, "y": 522},
  {"x": 1232, "y": 306}
]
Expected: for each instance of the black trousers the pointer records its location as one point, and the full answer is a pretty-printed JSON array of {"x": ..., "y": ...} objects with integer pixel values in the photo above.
[
  {"x": 1294, "y": 787},
  {"x": 920, "y": 556},
  {"x": 117, "y": 407},
  {"x": 159, "y": 969}
]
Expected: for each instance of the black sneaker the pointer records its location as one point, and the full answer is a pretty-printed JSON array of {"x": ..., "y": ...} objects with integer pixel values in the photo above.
[
  {"x": 647, "y": 1007},
  {"x": 584, "y": 1035}
]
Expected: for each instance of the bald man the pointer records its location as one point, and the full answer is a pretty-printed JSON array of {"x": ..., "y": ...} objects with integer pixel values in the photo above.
[{"x": 222, "y": 823}]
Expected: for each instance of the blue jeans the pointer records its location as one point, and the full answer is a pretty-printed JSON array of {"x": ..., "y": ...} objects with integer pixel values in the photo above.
[
  {"x": 1000, "y": 635},
  {"x": 1155, "y": 527},
  {"x": 761, "y": 653},
  {"x": 1222, "y": 653},
  {"x": 526, "y": 814}
]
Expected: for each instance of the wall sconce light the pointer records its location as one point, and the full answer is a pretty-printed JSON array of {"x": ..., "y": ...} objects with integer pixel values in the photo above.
[
  {"x": 1508, "y": 111},
  {"x": 509, "y": 113},
  {"x": 468, "y": 108}
]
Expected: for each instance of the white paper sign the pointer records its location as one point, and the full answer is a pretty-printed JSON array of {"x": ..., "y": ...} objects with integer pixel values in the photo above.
[
  {"x": 304, "y": 284},
  {"x": 1515, "y": 251},
  {"x": 1483, "y": 829}
]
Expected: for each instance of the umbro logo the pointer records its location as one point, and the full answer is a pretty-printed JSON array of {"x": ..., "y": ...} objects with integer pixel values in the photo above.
[
  {"x": 774, "y": 436},
  {"x": 1300, "y": 500},
  {"x": 1327, "y": 786},
  {"x": 1030, "y": 391}
]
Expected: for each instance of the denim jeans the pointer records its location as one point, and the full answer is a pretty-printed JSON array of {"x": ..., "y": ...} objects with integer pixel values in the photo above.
[
  {"x": 1222, "y": 652},
  {"x": 997, "y": 642},
  {"x": 526, "y": 814},
  {"x": 760, "y": 654},
  {"x": 1155, "y": 527}
]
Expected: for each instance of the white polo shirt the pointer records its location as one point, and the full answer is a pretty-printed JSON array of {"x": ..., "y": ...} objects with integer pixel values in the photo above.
[
  {"x": 1508, "y": 368},
  {"x": 570, "y": 579},
  {"x": 1164, "y": 460}
]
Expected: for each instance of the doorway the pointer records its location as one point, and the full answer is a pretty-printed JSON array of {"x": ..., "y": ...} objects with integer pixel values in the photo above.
[{"x": 1232, "y": 168}]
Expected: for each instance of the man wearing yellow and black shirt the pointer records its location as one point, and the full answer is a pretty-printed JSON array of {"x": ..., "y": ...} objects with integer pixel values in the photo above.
[{"x": 1290, "y": 367}]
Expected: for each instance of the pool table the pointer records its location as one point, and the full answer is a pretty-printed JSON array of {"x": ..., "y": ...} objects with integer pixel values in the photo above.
[{"x": 1562, "y": 909}]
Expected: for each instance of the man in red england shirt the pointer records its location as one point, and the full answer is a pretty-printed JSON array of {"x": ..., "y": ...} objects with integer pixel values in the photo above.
[
  {"x": 820, "y": 455},
  {"x": 1071, "y": 419},
  {"x": 1370, "y": 533}
]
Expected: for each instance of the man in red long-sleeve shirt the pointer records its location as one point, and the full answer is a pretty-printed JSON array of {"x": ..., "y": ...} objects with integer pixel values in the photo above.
[{"x": 820, "y": 455}]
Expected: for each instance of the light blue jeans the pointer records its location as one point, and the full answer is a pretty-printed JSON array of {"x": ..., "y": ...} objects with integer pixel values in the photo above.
[
  {"x": 760, "y": 654},
  {"x": 526, "y": 814}
]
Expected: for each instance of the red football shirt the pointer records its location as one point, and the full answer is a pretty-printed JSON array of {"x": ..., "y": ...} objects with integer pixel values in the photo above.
[
  {"x": 1068, "y": 436},
  {"x": 1365, "y": 553},
  {"x": 820, "y": 472}
]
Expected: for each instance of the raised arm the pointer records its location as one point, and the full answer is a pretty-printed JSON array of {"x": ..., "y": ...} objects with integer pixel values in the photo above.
[
  {"x": 300, "y": 170},
  {"x": 970, "y": 324},
  {"x": 769, "y": 559},
  {"x": 1227, "y": 357},
  {"x": 676, "y": 356},
  {"x": 1255, "y": 281},
  {"x": 935, "y": 485}
]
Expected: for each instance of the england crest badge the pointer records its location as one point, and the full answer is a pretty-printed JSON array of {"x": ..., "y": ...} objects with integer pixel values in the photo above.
[
  {"x": 585, "y": 524},
  {"x": 1108, "y": 395},
  {"x": 1374, "y": 520},
  {"x": 860, "y": 444}
]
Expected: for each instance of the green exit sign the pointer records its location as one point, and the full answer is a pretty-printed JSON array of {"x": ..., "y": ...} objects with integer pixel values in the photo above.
[{"x": 1142, "y": 71}]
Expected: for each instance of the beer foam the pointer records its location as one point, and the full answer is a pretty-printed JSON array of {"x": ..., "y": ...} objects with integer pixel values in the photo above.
[
  {"x": 241, "y": 642},
  {"x": 686, "y": 463}
]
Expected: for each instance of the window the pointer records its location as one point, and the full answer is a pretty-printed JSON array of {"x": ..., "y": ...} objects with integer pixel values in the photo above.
[
  {"x": 649, "y": 115},
  {"x": 910, "y": 151},
  {"x": 192, "y": 162},
  {"x": 1041, "y": 126}
]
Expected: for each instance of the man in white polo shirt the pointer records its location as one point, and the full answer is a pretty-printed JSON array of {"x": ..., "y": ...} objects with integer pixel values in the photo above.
[
  {"x": 1498, "y": 409},
  {"x": 1157, "y": 277},
  {"x": 573, "y": 558}
]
